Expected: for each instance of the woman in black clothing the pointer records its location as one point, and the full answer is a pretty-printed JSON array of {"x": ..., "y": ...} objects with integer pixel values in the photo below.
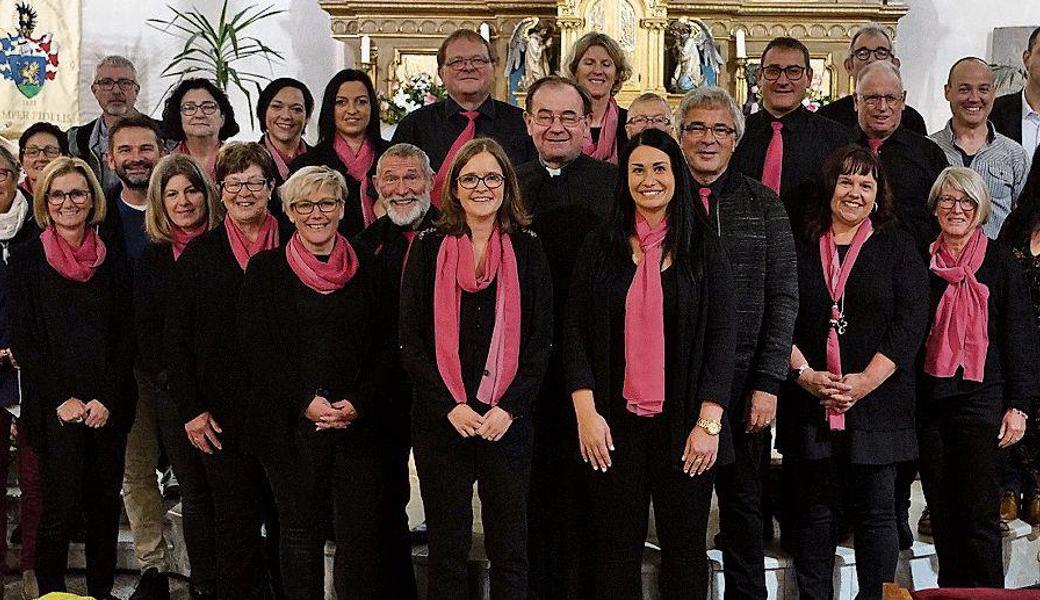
[
  {"x": 850, "y": 420},
  {"x": 74, "y": 347},
  {"x": 317, "y": 425},
  {"x": 199, "y": 116},
  {"x": 349, "y": 142},
  {"x": 182, "y": 205},
  {"x": 284, "y": 107},
  {"x": 648, "y": 347},
  {"x": 475, "y": 334},
  {"x": 38, "y": 145},
  {"x": 979, "y": 380},
  {"x": 599, "y": 65},
  {"x": 207, "y": 374}
]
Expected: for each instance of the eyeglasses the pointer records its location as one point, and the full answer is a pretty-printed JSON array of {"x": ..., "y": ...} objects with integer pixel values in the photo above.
[
  {"x": 875, "y": 100},
  {"x": 107, "y": 84},
  {"x": 699, "y": 130},
  {"x": 233, "y": 186},
  {"x": 793, "y": 72},
  {"x": 48, "y": 151},
  {"x": 948, "y": 202},
  {"x": 78, "y": 197},
  {"x": 474, "y": 62},
  {"x": 544, "y": 118},
  {"x": 880, "y": 53},
  {"x": 306, "y": 207},
  {"x": 491, "y": 180},
  {"x": 208, "y": 108},
  {"x": 646, "y": 121},
  {"x": 5, "y": 174}
]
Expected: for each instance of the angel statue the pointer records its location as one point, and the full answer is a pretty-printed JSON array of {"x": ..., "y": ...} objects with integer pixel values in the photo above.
[
  {"x": 697, "y": 56},
  {"x": 527, "y": 59}
]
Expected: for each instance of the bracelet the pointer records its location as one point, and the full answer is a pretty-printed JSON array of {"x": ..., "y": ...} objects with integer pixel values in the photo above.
[{"x": 1022, "y": 414}]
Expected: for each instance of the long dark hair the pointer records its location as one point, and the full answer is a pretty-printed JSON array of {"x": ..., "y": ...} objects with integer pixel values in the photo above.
[
  {"x": 327, "y": 116},
  {"x": 272, "y": 89},
  {"x": 848, "y": 160},
  {"x": 1020, "y": 224},
  {"x": 686, "y": 238},
  {"x": 172, "y": 125}
]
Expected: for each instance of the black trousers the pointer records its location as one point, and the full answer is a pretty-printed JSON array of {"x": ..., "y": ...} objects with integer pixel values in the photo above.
[
  {"x": 645, "y": 468},
  {"x": 247, "y": 562},
  {"x": 448, "y": 466},
  {"x": 197, "y": 517},
  {"x": 961, "y": 479},
  {"x": 370, "y": 562},
  {"x": 82, "y": 475},
  {"x": 823, "y": 490},
  {"x": 739, "y": 486}
]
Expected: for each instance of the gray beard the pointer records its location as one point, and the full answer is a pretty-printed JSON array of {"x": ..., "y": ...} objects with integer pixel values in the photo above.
[{"x": 407, "y": 218}]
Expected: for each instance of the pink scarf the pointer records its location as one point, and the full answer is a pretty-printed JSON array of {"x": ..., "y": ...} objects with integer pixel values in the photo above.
[
  {"x": 960, "y": 333},
  {"x": 77, "y": 264},
  {"x": 211, "y": 168},
  {"x": 606, "y": 147},
  {"x": 322, "y": 277},
  {"x": 358, "y": 166},
  {"x": 282, "y": 161},
  {"x": 455, "y": 274},
  {"x": 182, "y": 236},
  {"x": 644, "y": 325},
  {"x": 835, "y": 275},
  {"x": 242, "y": 248}
]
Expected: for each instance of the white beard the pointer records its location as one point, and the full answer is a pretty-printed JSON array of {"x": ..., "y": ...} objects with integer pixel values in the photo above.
[{"x": 407, "y": 217}]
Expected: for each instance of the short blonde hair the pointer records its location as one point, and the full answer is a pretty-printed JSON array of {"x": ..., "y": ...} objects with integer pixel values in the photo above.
[
  {"x": 156, "y": 221},
  {"x": 64, "y": 165},
  {"x": 621, "y": 65},
  {"x": 967, "y": 182},
  {"x": 308, "y": 180}
]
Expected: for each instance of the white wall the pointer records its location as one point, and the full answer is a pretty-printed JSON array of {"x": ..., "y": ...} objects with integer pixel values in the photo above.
[
  {"x": 938, "y": 32},
  {"x": 302, "y": 35}
]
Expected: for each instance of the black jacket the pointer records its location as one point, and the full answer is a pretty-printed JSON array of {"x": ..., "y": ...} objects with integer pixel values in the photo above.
[
  {"x": 333, "y": 344},
  {"x": 704, "y": 330},
  {"x": 432, "y": 399},
  {"x": 72, "y": 339},
  {"x": 8, "y": 374},
  {"x": 324, "y": 155},
  {"x": 152, "y": 274},
  {"x": 1006, "y": 115}
]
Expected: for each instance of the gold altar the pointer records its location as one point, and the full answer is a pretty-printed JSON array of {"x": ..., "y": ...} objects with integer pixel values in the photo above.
[{"x": 401, "y": 37}]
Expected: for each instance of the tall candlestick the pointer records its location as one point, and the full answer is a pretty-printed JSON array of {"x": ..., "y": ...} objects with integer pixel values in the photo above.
[
  {"x": 366, "y": 49},
  {"x": 741, "y": 44}
]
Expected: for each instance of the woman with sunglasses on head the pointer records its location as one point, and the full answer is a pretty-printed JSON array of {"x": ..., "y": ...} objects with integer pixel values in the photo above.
[
  {"x": 349, "y": 142},
  {"x": 979, "y": 380},
  {"x": 73, "y": 343},
  {"x": 475, "y": 334},
  {"x": 199, "y": 117}
]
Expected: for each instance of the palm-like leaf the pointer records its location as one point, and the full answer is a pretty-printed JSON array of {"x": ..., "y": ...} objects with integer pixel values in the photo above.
[
  {"x": 1008, "y": 75},
  {"x": 213, "y": 50}
]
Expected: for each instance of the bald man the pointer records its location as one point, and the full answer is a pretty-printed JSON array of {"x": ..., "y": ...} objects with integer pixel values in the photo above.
[{"x": 970, "y": 139}]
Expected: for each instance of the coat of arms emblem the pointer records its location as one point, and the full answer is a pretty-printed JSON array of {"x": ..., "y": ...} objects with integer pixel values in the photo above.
[{"x": 26, "y": 61}]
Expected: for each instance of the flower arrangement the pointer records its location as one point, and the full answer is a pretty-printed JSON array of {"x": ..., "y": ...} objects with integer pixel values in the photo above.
[
  {"x": 815, "y": 98},
  {"x": 410, "y": 95}
]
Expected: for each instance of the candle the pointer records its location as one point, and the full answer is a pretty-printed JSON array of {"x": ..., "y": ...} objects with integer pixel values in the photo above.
[
  {"x": 485, "y": 32},
  {"x": 366, "y": 49},
  {"x": 741, "y": 44}
]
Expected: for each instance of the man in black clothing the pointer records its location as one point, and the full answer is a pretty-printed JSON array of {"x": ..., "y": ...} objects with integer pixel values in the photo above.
[
  {"x": 869, "y": 44},
  {"x": 567, "y": 193},
  {"x": 757, "y": 237},
  {"x": 134, "y": 147},
  {"x": 805, "y": 138},
  {"x": 466, "y": 64}
]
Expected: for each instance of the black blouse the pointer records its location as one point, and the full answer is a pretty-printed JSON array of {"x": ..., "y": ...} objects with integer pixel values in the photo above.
[
  {"x": 433, "y": 401},
  {"x": 72, "y": 339},
  {"x": 699, "y": 336},
  {"x": 1010, "y": 379},
  {"x": 887, "y": 314}
]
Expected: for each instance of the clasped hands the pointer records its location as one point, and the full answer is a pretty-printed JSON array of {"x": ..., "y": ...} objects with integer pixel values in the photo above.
[
  {"x": 330, "y": 415},
  {"x": 93, "y": 414},
  {"x": 836, "y": 392},
  {"x": 469, "y": 423}
]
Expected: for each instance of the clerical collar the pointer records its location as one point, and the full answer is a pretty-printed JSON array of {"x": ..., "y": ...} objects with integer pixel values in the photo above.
[{"x": 554, "y": 171}]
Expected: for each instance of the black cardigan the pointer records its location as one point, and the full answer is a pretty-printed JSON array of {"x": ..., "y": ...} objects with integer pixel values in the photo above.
[
  {"x": 1010, "y": 379},
  {"x": 8, "y": 375},
  {"x": 887, "y": 313},
  {"x": 152, "y": 273},
  {"x": 704, "y": 330},
  {"x": 278, "y": 316},
  {"x": 432, "y": 399},
  {"x": 206, "y": 366},
  {"x": 324, "y": 155},
  {"x": 72, "y": 339}
]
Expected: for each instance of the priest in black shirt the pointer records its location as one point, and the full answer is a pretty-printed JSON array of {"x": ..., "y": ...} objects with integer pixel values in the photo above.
[
  {"x": 785, "y": 144},
  {"x": 869, "y": 44},
  {"x": 466, "y": 64},
  {"x": 567, "y": 193}
]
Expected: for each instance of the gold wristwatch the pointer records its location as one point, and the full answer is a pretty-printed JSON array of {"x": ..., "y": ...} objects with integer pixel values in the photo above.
[{"x": 712, "y": 427}]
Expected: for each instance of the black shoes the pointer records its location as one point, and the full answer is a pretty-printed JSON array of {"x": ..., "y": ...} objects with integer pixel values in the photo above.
[{"x": 153, "y": 586}]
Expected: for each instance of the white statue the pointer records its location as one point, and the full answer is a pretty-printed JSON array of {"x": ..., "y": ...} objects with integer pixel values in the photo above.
[
  {"x": 529, "y": 51},
  {"x": 697, "y": 57}
]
